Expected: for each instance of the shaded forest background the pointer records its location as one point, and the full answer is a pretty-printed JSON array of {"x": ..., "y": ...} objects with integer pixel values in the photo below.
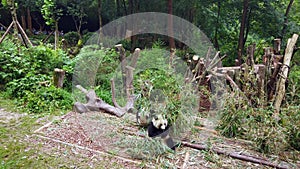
[
  {"x": 58, "y": 30},
  {"x": 230, "y": 25}
]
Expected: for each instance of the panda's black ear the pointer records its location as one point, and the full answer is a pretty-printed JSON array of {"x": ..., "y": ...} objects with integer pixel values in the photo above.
[{"x": 156, "y": 117}]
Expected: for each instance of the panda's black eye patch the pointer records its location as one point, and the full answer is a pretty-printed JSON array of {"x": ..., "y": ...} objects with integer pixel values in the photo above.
[{"x": 156, "y": 118}]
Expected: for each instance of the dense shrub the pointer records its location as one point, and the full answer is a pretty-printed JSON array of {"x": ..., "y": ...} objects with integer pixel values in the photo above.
[
  {"x": 291, "y": 121},
  {"x": 47, "y": 99},
  {"x": 18, "y": 62},
  {"x": 293, "y": 90},
  {"x": 12, "y": 64},
  {"x": 260, "y": 126},
  {"x": 18, "y": 88},
  {"x": 26, "y": 74},
  {"x": 72, "y": 38},
  {"x": 86, "y": 36}
]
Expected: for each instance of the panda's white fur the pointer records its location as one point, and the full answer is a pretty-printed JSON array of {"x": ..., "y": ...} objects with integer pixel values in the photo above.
[
  {"x": 159, "y": 127},
  {"x": 160, "y": 122}
]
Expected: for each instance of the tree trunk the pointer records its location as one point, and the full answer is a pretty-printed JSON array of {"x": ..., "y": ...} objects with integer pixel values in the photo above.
[
  {"x": 14, "y": 18},
  {"x": 132, "y": 27},
  {"x": 58, "y": 77},
  {"x": 118, "y": 8},
  {"x": 242, "y": 31},
  {"x": 100, "y": 19},
  {"x": 23, "y": 19},
  {"x": 56, "y": 35},
  {"x": 29, "y": 20},
  {"x": 99, "y": 13},
  {"x": 233, "y": 155},
  {"x": 170, "y": 25},
  {"x": 217, "y": 26},
  {"x": 286, "y": 18},
  {"x": 78, "y": 25},
  {"x": 247, "y": 26},
  {"x": 130, "y": 6},
  {"x": 124, "y": 6}
]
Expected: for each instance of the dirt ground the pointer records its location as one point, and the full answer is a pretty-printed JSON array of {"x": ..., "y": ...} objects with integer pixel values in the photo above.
[{"x": 119, "y": 143}]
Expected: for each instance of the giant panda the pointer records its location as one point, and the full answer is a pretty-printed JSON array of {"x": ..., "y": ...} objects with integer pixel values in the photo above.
[{"x": 158, "y": 127}]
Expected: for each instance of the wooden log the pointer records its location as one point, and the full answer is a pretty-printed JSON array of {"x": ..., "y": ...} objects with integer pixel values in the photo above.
[
  {"x": 261, "y": 82},
  {"x": 250, "y": 54},
  {"x": 23, "y": 33},
  {"x": 273, "y": 77},
  {"x": 6, "y": 32},
  {"x": 58, "y": 77},
  {"x": 135, "y": 56},
  {"x": 277, "y": 44},
  {"x": 284, "y": 69},
  {"x": 123, "y": 62},
  {"x": 95, "y": 103},
  {"x": 171, "y": 58},
  {"x": 235, "y": 68},
  {"x": 268, "y": 52}
]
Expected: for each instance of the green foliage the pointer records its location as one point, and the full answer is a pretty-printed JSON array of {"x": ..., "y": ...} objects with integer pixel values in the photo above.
[
  {"x": 51, "y": 12},
  {"x": 291, "y": 122},
  {"x": 72, "y": 38},
  {"x": 25, "y": 72},
  {"x": 100, "y": 64},
  {"x": 86, "y": 36},
  {"x": 293, "y": 90},
  {"x": 18, "y": 88},
  {"x": 18, "y": 62},
  {"x": 47, "y": 99},
  {"x": 232, "y": 117},
  {"x": 11, "y": 63},
  {"x": 4, "y": 2},
  {"x": 259, "y": 125},
  {"x": 35, "y": 98},
  {"x": 104, "y": 94},
  {"x": 158, "y": 86},
  {"x": 146, "y": 149}
]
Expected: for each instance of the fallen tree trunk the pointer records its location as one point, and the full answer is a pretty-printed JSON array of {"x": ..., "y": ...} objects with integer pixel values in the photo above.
[{"x": 94, "y": 103}]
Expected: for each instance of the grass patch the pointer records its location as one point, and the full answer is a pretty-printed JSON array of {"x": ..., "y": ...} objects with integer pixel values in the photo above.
[{"x": 16, "y": 150}]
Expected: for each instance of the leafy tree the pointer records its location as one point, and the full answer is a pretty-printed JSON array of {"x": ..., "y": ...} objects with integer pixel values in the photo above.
[
  {"x": 52, "y": 12},
  {"x": 77, "y": 9}
]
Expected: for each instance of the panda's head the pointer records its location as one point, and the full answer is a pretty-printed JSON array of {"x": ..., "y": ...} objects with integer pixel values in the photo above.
[{"x": 160, "y": 122}]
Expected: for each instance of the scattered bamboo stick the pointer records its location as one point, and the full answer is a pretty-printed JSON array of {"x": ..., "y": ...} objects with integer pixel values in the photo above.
[
  {"x": 186, "y": 159},
  {"x": 243, "y": 157},
  {"x": 234, "y": 155},
  {"x": 95, "y": 151}
]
